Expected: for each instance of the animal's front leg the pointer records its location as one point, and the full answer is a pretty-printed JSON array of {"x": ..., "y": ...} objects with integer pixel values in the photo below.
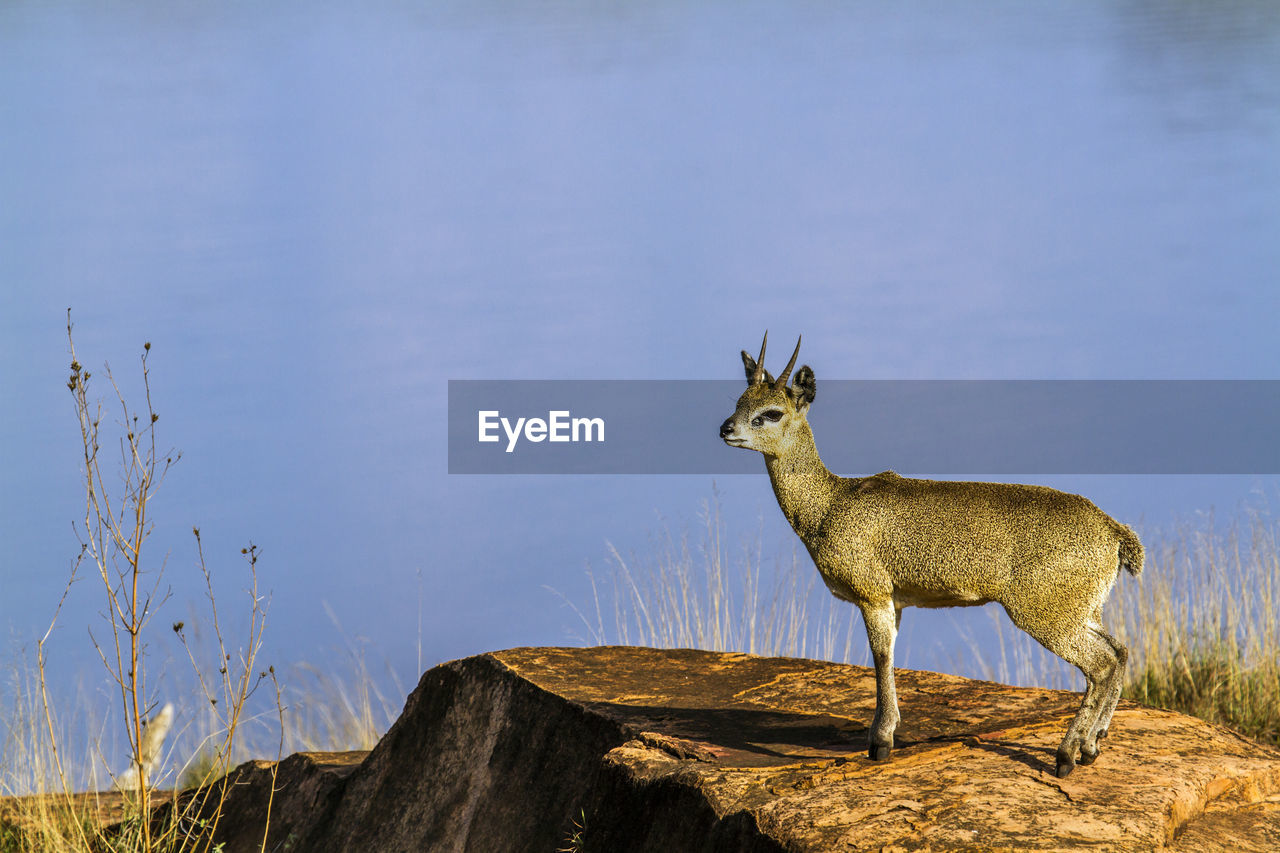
[{"x": 882, "y": 628}]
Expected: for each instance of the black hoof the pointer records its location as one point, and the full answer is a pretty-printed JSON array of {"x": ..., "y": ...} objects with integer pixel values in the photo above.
[
  {"x": 1064, "y": 769},
  {"x": 1087, "y": 758},
  {"x": 878, "y": 753}
]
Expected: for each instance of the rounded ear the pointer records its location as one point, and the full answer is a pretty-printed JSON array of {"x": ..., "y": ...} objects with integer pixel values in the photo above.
[
  {"x": 804, "y": 387},
  {"x": 749, "y": 362}
]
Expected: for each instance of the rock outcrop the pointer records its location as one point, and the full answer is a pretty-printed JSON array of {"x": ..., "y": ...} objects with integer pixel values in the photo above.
[{"x": 634, "y": 750}]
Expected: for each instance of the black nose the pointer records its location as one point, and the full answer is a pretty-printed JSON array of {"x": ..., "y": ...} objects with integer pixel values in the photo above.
[{"x": 726, "y": 428}]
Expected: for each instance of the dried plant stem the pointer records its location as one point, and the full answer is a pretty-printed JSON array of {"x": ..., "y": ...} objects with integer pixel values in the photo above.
[
  {"x": 115, "y": 528},
  {"x": 113, "y": 533}
]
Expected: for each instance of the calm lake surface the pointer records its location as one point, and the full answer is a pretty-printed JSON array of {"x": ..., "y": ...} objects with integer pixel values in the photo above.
[{"x": 319, "y": 213}]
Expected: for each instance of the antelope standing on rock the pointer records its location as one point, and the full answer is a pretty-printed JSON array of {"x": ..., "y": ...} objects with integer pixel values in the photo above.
[{"x": 887, "y": 542}]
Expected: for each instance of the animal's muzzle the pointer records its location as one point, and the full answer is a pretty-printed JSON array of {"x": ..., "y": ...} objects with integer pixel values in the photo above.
[{"x": 726, "y": 428}]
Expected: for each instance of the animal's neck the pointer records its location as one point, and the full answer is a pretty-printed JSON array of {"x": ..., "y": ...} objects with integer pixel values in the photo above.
[{"x": 803, "y": 485}]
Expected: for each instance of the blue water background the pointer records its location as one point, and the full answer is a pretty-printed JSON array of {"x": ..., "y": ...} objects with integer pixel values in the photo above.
[{"x": 320, "y": 213}]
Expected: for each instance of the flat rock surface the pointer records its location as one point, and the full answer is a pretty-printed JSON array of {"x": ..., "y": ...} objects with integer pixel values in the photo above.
[
  {"x": 637, "y": 749},
  {"x": 973, "y": 767}
]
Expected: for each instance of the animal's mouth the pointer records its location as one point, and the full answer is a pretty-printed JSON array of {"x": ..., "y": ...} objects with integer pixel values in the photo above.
[{"x": 735, "y": 441}]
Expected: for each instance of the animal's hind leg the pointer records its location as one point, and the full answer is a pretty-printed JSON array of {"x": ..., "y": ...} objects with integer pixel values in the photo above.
[
  {"x": 1110, "y": 696},
  {"x": 1086, "y": 649}
]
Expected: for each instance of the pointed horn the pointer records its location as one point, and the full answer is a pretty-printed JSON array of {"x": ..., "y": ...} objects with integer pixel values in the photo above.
[
  {"x": 782, "y": 377},
  {"x": 758, "y": 376}
]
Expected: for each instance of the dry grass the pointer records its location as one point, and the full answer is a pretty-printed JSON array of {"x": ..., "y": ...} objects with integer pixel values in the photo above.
[
  {"x": 694, "y": 592},
  {"x": 338, "y": 708},
  {"x": 37, "y": 812},
  {"x": 341, "y": 706},
  {"x": 1203, "y": 627}
]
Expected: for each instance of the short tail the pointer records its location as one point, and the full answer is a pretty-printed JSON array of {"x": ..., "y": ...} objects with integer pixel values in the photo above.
[{"x": 1131, "y": 553}]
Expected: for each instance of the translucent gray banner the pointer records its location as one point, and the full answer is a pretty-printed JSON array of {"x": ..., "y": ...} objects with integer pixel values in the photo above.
[{"x": 918, "y": 427}]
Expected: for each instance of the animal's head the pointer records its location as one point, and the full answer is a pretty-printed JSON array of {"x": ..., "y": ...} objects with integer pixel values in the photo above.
[{"x": 770, "y": 414}]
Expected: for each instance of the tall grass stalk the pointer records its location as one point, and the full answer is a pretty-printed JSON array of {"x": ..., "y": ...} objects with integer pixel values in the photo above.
[
  {"x": 1203, "y": 627},
  {"x": 693, "y": 592},
  {"x": 342, "y": 705}
]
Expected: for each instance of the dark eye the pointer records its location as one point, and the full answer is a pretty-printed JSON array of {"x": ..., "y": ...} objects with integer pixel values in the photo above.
[{"x": 774, "y": 415}]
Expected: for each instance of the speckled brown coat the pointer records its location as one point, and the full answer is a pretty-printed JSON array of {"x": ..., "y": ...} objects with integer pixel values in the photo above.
[{"x": 887, "y": 542}]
